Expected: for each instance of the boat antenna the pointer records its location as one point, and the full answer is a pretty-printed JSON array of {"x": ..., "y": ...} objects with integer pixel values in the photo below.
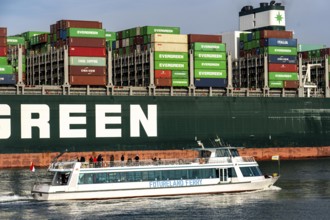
[
  {"x": 213, "y": 143},
  {"x": 58, "y": 156},
  {"x": 200, "y": 144}
]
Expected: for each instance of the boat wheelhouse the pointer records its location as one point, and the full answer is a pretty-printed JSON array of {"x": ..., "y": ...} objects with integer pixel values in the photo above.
[{"x": 216, "y": 170}]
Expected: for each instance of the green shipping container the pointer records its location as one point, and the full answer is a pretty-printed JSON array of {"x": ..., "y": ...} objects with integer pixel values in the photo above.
[
  {"x": 244, "y": 37},
  {"x": 217, "y": 65},
  {"x": 281, "y": 51},
  {"x": 23, "y": 68},
  {"x": 160, "y": 30},
  {"x": 275, "y": 84},
  {"x": 163, "y": 65},
  {"x": 86, "y": 32},
  {"x": 214, "y": 74},
  {"x": 276, "y": 76},
  {"x": 209, "y": 47},
  {"x": 3, "y": 61},
  {"x": 15, "y": 41},
  {"x": 87, "y": 61},
  {"x": 6, "y": 69},
  {"x": 134, "y": 31},
  {"x": 177, "y": 74},
  {"x": 171, "y": 56},
  {"x": 200, "y": 55},
  {"x": 28, "y": 35},
  {"x": 180, "y": 82},
  {"x": 110, "y": 36}
]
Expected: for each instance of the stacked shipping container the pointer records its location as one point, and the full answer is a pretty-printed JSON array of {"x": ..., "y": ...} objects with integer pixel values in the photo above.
[
  {"x": 7, "y": 76},
  {"x": 87, "y": 50},
  {"x": 317, "y": 56},
  {"x": 171, "y": 59},
  {"x": 210, "y": 60},
  {"x": 170, "y": 50},
  {"x": 13, "y": 43},
  {"x": 281, "y": 49}
]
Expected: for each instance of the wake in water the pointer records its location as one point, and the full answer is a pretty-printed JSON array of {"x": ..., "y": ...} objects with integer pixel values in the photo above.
[{"x": 11, "y": 197}]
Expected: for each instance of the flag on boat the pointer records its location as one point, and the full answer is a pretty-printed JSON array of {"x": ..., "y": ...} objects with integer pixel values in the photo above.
[
  {"x": 275, "y": 157},
  {"x": 32, "y": 169}
]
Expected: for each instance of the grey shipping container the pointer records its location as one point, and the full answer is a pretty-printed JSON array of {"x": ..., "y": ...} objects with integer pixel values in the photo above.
[
  {"x": 282, "y": 59},
  {"x": 219, "y": 83}
]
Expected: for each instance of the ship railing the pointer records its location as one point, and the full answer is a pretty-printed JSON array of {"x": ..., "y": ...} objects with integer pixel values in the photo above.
[
  {"x": 244, "y": 159},
  {"x": 62, "y": 165},
  {"x": 129, "y": 163}
]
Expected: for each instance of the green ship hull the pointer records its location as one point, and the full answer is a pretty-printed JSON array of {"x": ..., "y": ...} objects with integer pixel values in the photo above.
[{"x": 35, "y": 123}]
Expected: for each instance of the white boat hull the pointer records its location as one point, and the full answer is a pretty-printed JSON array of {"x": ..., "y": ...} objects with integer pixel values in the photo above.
[{"x": 44, "y": 193}]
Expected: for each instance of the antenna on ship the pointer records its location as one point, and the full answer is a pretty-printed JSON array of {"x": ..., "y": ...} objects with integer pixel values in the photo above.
[{"x": 199, "y": 143}]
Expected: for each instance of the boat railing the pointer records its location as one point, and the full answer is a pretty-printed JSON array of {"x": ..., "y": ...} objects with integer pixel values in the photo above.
[
  {"x": 150, "y": 162},
  {"x": 62, "y": 165},
  {"x": 245, "y": 159},
  {"x": 137, "y": 163}
]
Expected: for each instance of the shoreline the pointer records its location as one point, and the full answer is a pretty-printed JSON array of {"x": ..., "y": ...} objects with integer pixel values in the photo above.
[{"x": 23, "y": 160}]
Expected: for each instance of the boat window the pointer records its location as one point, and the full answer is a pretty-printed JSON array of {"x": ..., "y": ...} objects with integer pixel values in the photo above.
[
  {"x": 205, "y": 154},
  {"x": 115, "y": 177},
  {"x": 232, "y": 172},
  {"x": 250, "y": 171},
  {"x": 61, "y": 178},
  {"x": 234, "y": 152},
  {"x": 222, "y": 153}
]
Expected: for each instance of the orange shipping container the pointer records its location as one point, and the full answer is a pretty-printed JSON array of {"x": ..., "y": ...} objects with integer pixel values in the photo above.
[
  {"x": 3, "y": 51},
  {"x": 85, "y": 42},
  {"x": 277, "y": 67},
  {"x": 163, "y": 74},
  {"x": 163, "y": 82},
  {"x": 192, "y": 38},
  {"x": 276, "y": 34},
  {"x": 291, "y": 84},
  {"x": 87, "y": 51},
  {"x": 3, "y": 41},
  {"x": 3, "y": 32},
  {"x": 88, "y": 80},
  {"x": 87, "y": 71}
]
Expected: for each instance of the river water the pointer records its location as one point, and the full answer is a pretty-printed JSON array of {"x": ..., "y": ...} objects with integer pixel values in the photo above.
[{"x": 303, "y": 192}]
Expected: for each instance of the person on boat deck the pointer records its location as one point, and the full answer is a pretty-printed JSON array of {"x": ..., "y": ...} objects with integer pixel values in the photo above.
[
  {"x": 94, "y": 161},
  {"x": 122, "y": 159},
  {"x": 137, "y": 158},
  {"x": 112, "y": 159},
  {"x": 99, "y": 160},
  {"x": 82, "y": 159}
]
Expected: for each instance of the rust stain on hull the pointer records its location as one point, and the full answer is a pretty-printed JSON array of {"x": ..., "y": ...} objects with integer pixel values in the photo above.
[{"x": 43, "y": 159}]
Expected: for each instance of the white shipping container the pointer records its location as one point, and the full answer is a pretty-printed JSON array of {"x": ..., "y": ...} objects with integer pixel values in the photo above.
[
  {"x": 169, "y": 38},
  {"x": 169, "y": 47}
]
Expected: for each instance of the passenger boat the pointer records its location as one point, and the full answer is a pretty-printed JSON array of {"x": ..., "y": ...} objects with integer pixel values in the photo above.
[{"x": 216, "y": 170}]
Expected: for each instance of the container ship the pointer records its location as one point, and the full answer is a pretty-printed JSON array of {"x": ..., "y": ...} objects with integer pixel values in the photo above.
[{"x": 83, "y": 88}]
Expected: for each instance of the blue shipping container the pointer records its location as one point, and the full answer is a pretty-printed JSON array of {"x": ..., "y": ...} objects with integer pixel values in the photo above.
[
  {"x": 280, "y": 42},
  {"x": 113, "y": 45},
  {"x": 282, "y": 59},
  {"x": 219, "y": 83},
  {"x": 7, "y": 79},
  {"x": 63, "y": 34}
]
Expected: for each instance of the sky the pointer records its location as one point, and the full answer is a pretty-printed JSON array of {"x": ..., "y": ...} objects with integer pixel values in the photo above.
[{"x": 308, "y": 19}]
